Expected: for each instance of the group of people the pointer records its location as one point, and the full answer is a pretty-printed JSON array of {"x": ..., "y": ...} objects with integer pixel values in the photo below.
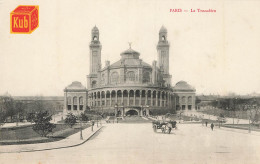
[{"x": 211, "y": 125}]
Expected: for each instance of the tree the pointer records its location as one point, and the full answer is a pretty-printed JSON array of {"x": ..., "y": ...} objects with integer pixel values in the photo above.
[
  {"x": 7, "y": 105},
  {"x": 71, "y": 119},
  {"x": 30, "y": 117},
  {"x": 254, "y": 110},
  {"x": 84, "y": 117},
  {"x": 198, "y": 100},
  {"x": 2, "y": 118},
  {"x": 42, "y": 124},
  {"x": 19, "y": 110}
]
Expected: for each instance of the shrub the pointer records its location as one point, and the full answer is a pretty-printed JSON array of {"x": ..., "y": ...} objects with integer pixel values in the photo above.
[
  {"x": 30, "y": 117},
  {"x": 42, "y": 124},
  {"x": 84, "y": 117},
  {"x": 71, "y": 120}
]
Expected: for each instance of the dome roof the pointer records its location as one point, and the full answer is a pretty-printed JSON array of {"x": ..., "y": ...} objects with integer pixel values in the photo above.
[
  {"x": 183, "y": 86},
  {"x": 130, "y": 53},
  {"x": 75, "y": 85},
  {"x": 129, "y": 58},
  {"x": 163, "y": 29},
  {"x": 95, "y": 29}
]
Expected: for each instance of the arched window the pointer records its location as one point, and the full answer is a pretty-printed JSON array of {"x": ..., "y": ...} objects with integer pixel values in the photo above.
[
  {"x": 75, "y": 101},
  {"x": 146, "y": 78},
  {"x": 189, "y": 99},
  {"x": 163, "y": 38},
  {"x": 114, "y": 77},
  {"x": 183, "y": 99},
  {"x": 94, "y": 84},
  {"x": 81, "y": 103},
  {"x": 95, "y": 38},
  {"x": 130, "y": 76},
  {"x": 81, "y": 100}
]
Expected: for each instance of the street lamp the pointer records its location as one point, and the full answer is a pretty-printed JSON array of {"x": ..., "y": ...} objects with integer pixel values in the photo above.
[
  {"x": 142, "y": 110},
  {"x": 101, "y": 116},
  {"x": 234, "y": 108},
  {"x": 249, "y": 117},
  {"x": 80, "y": 118},
  {"x": 180, "y": 116},
  {"x": 97, "y": 120},
  {"x": 147, "y": 111},
  {"x": 116, "y": 110}
]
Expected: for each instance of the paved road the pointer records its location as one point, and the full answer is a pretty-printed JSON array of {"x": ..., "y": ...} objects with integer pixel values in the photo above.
[
  {"x": 206, "y": 116},
  {"x": 137, "y": 143}
]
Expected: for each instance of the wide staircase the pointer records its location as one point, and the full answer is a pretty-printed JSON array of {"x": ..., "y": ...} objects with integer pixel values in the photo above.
[{"x": 134, "y": 119}]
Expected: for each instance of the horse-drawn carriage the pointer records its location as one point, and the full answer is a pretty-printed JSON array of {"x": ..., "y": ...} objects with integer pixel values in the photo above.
[{"x": 165, "y": 126}]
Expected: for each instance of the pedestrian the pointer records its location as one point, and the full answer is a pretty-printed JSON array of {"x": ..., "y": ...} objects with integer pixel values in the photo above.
[
  {"x": 212, "y": 126},
  {"x": 206, "y": 123}
]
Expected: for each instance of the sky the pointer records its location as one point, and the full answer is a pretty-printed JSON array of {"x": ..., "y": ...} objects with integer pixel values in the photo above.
[{"x": 216, "y": 53}]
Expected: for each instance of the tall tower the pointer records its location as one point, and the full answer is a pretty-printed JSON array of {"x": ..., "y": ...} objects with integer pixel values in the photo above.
[
  {"x": 163, "y": 51},
  {"x": 95, "y": 52},
  {"x": 93, "y": 79},
  {"x": 163, "y": 55}
]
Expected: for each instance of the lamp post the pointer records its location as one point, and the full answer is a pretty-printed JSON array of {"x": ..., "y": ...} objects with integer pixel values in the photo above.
[
  {"x": 101, "y": 116},
  {"x": 249, "y": 118},
  {"x": 92, "y": 124},
  {"x": 249, "y": 127},
  {"x": 180, "y": 116},
  {"x": 234, "y": 108},
  {"x": 142, "y": 110},
  {"x": 80, "y": 120},
  {"x": 219, "y": 123},
  {"x": 116, "y": 110},
  {"x": 81, "y": 136},
  {"x": 116, "y": 106},
  {"x": 147, "y": 110},
  {"x": 97, "y": 120}
]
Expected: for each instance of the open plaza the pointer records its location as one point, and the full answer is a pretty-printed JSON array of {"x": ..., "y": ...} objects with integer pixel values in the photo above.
[{"x": 138, "y": 143}]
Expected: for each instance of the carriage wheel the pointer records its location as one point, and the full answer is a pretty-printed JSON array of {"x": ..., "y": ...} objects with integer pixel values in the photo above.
[{"x": 162, "y": 130}]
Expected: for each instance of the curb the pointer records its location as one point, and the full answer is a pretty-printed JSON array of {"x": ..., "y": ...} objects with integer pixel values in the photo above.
[{"x": 62, "y": 147}]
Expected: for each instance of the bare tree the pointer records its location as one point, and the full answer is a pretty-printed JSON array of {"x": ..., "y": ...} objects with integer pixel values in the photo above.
[
  {"x": 7, "y": 105},
  {"x": 19, "y": 110}
]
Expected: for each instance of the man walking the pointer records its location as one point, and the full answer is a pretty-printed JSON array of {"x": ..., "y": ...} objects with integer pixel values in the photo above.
[
  {"x": 206, "y": 123},
  {"x": 212, "y": 126}
]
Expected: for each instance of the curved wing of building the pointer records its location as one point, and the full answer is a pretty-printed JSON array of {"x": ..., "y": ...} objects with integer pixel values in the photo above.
[{"x": 130, "y": 85}]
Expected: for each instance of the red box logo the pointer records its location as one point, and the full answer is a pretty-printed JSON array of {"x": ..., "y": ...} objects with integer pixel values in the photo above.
[{"x": 24, "y": 19}]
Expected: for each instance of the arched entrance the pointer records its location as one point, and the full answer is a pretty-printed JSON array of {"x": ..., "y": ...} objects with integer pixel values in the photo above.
[{"x": 131, "y": 112}]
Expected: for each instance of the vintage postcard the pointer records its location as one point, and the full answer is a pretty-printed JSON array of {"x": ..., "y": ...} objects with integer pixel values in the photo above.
[{"x": 129, "y": 81}]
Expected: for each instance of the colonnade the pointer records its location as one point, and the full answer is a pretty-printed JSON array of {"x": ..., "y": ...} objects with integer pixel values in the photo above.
[{"x": 109, "y": 98}]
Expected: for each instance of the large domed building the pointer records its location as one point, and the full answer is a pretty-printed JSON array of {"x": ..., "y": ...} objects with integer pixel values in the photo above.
[{"x": 129, "y": 86}]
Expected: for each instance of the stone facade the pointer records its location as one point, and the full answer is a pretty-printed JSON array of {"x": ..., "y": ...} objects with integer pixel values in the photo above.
[
  {"x": 75, "y": 98},
  {"x": 130, "y": 86}
]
